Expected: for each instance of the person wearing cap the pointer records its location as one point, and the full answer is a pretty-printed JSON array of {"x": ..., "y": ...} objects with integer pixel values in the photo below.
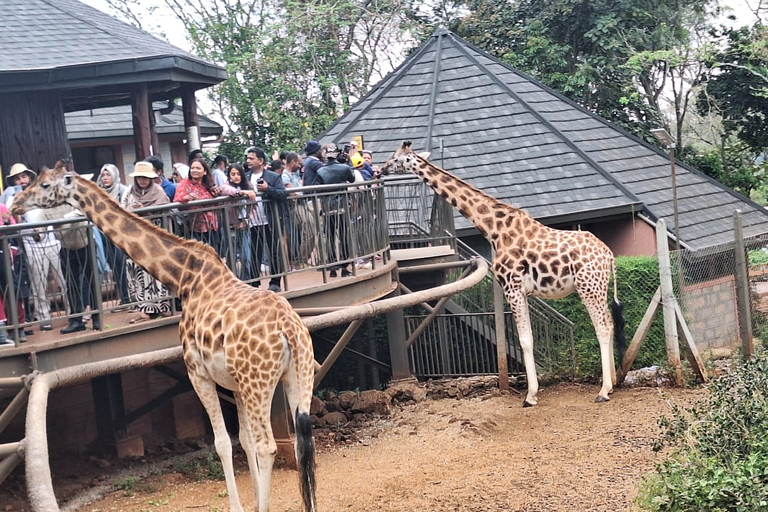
[
  {"x": 335, "y": 207},
  {"x": 312, "y": 163},
  {"x": 18, "y": 179},
  {"x": 152, "y": 296},
  {"x": 180, "y": 172}
]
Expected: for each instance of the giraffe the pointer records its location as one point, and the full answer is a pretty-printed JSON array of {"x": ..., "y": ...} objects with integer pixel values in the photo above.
[
  {"x": 532, "y": 259},
  {"x": 241, "y": 338}
]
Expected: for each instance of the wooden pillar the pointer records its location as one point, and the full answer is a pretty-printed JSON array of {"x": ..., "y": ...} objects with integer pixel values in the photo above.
[
  {"x": 668, "y": 301},
  {"x": 398, "y": 350},
  {"x": 191, "y": 120},
  {"x": 142, "y": 139},
  {"x": 742, "y": 289}
]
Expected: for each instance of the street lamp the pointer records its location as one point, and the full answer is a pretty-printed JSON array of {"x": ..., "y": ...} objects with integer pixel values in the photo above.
[{"x": 665, "y": 138}]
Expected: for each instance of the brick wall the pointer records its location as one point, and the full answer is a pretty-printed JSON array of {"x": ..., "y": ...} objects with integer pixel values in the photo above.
[{"x": 711, "y": 313}]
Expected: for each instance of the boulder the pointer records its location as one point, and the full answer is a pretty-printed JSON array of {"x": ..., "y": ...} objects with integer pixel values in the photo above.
[
  {"x": 346, "y": 398},
  {"x": 334, "y": 418},
  {"x": 409, "y": 390},
  {"x": 373, "y": 402},
  {"x": 317, "y": 407}
]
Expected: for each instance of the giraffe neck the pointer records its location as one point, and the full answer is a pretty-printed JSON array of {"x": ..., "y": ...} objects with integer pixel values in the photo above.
[
  {"x": 165, "y": 256},
  {"x": 489, "y": 215}
]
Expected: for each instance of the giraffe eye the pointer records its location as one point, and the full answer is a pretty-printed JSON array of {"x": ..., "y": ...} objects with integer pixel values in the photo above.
[{"x": 45, "y": 185}]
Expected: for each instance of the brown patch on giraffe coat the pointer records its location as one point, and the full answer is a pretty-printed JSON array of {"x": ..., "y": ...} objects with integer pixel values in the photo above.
[
  {"x": 85, "y": 200},
  {"x": 129, "y": 227},
  {"x": 136, "y": 250},
  {"x": 111, "y": 218},
  {"x": 99, "y": 207},
  {"x": 483, "y": 210},
  {"x": 547, "y": 281}
]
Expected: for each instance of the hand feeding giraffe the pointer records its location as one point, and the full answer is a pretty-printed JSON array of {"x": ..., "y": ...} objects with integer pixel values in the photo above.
[
  {"x": 532, "y": 259},
  {"x": 243, "y": 339}
]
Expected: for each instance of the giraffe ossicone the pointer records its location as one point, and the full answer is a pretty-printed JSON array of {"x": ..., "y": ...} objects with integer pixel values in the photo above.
[
  {"x": 533, "y": 259},
  {"x": 241, "y": 338}
]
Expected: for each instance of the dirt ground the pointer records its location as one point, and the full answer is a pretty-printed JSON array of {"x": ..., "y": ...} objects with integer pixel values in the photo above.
[{"x": 473, "y": 455}]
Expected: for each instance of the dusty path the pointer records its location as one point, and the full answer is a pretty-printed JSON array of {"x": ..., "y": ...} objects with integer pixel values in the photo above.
[{"x": 566, "y": 454}]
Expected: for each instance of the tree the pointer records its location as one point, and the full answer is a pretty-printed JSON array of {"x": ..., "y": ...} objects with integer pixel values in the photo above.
[{"x": 587, "y": 49}]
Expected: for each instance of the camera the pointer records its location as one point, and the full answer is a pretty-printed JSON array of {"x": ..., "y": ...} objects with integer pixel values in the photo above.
[{"x": 343, "y": 157}]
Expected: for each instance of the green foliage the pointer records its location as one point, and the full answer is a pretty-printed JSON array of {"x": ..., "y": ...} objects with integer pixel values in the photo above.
[
  {"x": 200, "y": 469},
  {"x": 757, "y": 257},
  {"x": 733, "y": 164},
  {"x": 638, "y": 279},
  {"x": 720, "y": 457}
]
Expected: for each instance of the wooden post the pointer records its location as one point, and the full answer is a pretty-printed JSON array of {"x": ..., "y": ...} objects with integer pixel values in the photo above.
[
  {"x": 501, "y": 335},
  {"x": 398, "y": 350},
  {"x": 668, "y": 301},
  {"x": 742, "y": 289},
  {"x": 142, "y": 140},
  {"x": 153, "y": 132},
  {"x": 191, "y": 120}
]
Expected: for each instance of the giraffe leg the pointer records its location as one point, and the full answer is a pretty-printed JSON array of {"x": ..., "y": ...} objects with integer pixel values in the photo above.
[
  {"x": 206, "y": 391},
  {"x": 601, "y": 319},
  {"x": 248, "y": 444},
  {"x": 519, "y": 305},
  {"x": 265, "y": 450}
]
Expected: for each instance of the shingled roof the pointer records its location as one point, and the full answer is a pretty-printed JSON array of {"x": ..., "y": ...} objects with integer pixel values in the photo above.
[
  {"x": 111, "y": 122},
  {"x": 65, "y": 44},
  {"x": 529, "y": 146}
]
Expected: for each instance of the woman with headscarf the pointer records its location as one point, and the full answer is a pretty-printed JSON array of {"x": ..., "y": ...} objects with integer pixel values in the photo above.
[
  {"x": 145, "y": 289},
  {"x": 109, "y": 180}
]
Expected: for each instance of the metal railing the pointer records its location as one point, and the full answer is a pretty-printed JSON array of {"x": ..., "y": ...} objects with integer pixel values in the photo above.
[{"x": 328, "y": 228}]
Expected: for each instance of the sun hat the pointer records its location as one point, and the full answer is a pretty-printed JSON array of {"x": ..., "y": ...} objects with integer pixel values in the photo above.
[
  {"x": 356, "y": 160},
  {"x": 143, "y": 170},
  {"x": 17, "y": 169},
  {"x": 312, "y": 147}
]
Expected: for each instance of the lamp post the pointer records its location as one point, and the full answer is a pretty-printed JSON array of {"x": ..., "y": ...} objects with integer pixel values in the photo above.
[{"x": 665, "y": 138}]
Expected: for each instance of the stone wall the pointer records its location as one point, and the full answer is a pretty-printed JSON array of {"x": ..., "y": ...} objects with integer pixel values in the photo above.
[{"x": 711, "y": 313}]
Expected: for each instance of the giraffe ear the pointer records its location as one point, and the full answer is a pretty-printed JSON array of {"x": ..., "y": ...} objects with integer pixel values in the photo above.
[
  {"x": 69, "y": 180},
  {"x": 424, "y": 154}
]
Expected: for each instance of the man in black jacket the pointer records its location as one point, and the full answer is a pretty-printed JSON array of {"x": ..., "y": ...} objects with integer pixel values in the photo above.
[
  {"x": 335, "y": 207},
  {"x": 266, "y": 218}
]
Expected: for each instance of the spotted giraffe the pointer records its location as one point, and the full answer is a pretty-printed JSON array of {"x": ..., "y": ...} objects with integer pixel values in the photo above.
[
  {"x": 241, "y": 338},
  {"x": 532, "y": 259}
]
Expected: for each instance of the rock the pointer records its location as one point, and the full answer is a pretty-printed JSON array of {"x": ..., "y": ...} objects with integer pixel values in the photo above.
[
  {"x": 652, "y": 376},
  {"x": 346, "y": 398},
  {"x": 318, "y": 422},
  {"x": 102, "y": 463},
  {"x": 317, "y": 407},
  {"x": 404, "y": 391},
  {"x": 334, "y": 418},
  {"x": 372, "y": 401},
  {"x": 333, "y": 405}
]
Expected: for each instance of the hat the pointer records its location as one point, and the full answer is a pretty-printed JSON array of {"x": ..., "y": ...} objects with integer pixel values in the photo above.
[
  {"x": 312, "y": 147},
  {"x": 182, "y": 169},
  {"x": 331, "y": 151},
  {"x": 17, "y": 169},
  {"x": 143, "y": 170},
  {"x": 356, "y": 160}
]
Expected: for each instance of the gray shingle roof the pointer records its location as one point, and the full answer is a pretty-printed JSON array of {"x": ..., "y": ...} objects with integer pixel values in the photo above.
[
  {"x": 529, "y": 146},
  {"x": 55, "y": 35},
  {"x": 118, "y": 122}
]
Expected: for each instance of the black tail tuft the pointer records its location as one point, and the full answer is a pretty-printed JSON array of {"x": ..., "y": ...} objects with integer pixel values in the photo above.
[
  {"x": 305, "y": 456},
  {"x": 617, "y": 311}
]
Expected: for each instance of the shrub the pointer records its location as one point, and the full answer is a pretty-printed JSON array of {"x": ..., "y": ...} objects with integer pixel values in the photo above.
[
  {"x": 720, "y": 457},
  {"x": 638, "y": 280}
]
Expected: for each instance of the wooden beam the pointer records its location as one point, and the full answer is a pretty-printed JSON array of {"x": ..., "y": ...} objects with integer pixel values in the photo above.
[
  {"x": 637, "y": 339},
  {"x": 191, "y": 119},
  {"x": 142, "y": 139},
  {"x": 668, "y": 301}
]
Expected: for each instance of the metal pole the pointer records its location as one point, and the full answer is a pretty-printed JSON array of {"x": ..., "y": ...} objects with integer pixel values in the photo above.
[
  {"x": 501, "y": 335},
  {"x": 674, "y": 198}
]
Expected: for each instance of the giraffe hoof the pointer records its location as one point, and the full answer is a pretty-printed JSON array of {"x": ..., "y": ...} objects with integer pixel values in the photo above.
[
  {"x": 526, "y": 403},
  {"x": 601, "y": 399}
]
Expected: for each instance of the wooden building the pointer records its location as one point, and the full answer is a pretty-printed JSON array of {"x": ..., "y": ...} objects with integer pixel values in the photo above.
[{"x": 65, "y": 57}]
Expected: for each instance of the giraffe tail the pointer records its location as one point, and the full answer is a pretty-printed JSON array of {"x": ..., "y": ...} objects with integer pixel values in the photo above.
[
  {"x": 617, "y": 312},
  {"x": 305, "y": 455}
]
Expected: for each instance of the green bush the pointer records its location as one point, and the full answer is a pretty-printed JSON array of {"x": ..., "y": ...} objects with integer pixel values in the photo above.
[
  {"x": 720, "y": 460},
  {"x": 638, "y": 280}
]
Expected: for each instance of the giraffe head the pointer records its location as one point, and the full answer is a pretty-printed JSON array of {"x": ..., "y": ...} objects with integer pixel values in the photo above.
[
  {"x": 404, "y": 160},
  {"x": 53, "y": 187}
]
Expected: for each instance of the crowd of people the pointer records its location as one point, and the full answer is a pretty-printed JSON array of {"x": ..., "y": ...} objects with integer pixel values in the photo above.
[{"x": 259, "y": 231}]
